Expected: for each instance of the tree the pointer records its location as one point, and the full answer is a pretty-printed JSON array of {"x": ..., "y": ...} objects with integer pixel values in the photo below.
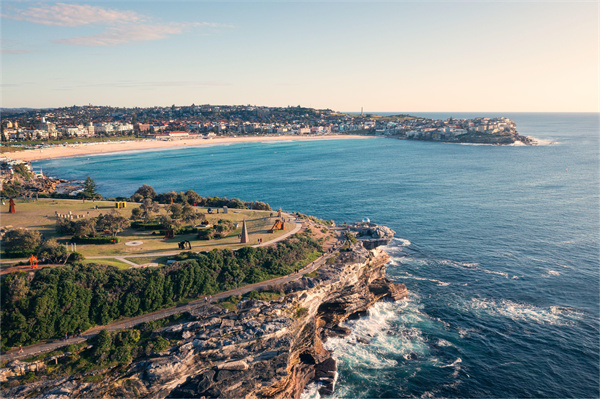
[
  {"x": 113, "y": 222},
  {"x": 189, "y": 215},
  {"x": 85, "y": 227},
  {"x": 148, "y": 207},
  {"x": 176, "y": 211},
  {"x": 136, "y": 213},
  {"x": 103, "y": 344},
  {"x": 21, "y": 240},
  {"x": 53, "y": 252},
  {"x": 146, "y": 191},
  {"x": 89, "y": 189},
  {"x": 193, "y": 198}
]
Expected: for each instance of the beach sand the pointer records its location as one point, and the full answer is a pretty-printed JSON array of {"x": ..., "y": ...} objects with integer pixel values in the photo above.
[{"x": 72, "y": 150}]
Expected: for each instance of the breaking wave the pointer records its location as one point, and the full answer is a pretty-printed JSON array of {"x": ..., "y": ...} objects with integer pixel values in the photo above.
[{"x": 553, "y": 315}]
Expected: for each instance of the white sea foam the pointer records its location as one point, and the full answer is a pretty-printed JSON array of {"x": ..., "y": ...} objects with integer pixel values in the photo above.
[
  {"x": 401, "y": 241},
  {"x": 550, "y": 273},
  {"x": 311, "y": 392},
  {"x": 444, "y": 343},
  {"x": 553, "y": 315},
  {"x": 543, "y": 142},
  {"x": 410, "y": 277}
]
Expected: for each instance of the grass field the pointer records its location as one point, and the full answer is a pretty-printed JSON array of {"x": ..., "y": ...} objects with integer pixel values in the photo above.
[
  {"x": 40, "y": 215},
  {"x": 110, "y": 262}
]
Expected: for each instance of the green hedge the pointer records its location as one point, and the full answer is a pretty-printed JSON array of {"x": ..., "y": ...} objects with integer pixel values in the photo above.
[
  {"x": 186, "y": 230},
  {"x": 146, "y": 226},
  {"x": 19, "y": 254},
  {"x": 101, "y": 239}
]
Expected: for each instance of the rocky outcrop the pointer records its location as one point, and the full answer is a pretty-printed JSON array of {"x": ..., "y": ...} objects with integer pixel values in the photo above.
[
  {"x": 372, "y": 235},
  {"x": 263, "y": 350}
]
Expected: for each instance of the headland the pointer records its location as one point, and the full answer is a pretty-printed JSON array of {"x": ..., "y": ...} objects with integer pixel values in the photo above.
[{"x": 267, "y": 343}]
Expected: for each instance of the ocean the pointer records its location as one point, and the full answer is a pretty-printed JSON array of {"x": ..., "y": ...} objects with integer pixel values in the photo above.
[{"x": 498, "y": 246}]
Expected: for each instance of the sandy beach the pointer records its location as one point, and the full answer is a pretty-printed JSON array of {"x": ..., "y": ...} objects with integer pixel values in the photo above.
[{"x": 72, "y": 150}]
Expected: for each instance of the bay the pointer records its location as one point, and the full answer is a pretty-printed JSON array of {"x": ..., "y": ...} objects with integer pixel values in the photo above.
[{"x": 498, "y": 246}]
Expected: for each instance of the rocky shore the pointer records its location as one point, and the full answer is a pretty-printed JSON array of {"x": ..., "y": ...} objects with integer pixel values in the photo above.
[{"x": 263, "y": 350}]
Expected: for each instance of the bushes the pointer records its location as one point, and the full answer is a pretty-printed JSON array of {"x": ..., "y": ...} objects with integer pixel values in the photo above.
[
  {"x": 76, "y": 257},
  {"x": 186, "y": 230},
  {"x": 75, "y": 297},
  {"x": 21, "y": 240},
  {"x": 100, "y": 239},
  {"x": 138, "y": 225},
  {"x": 206, "y": 234}
]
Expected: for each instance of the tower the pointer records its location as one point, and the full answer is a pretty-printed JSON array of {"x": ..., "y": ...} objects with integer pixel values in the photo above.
[{"x": 245, "y": 238}]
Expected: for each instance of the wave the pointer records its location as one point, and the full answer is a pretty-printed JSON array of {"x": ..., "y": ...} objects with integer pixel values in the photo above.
[
  {"x": 553, "y": 315},
  {"x": 550, "y": 273},
  {"x": 411, "y": 277},
  {"x": 401, "y": 241},
  {"x": 475, "y": 266},
  {"x": 543, "y": 142}
]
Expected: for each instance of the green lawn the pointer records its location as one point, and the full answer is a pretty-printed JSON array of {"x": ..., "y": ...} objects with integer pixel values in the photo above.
[{"x": 40, "y": 215}]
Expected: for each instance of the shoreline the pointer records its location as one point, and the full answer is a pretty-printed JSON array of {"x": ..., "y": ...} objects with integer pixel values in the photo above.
[{"x": 95, "y": 148}]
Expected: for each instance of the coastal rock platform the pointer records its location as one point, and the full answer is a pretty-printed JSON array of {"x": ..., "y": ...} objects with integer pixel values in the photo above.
[{"x": 263, "y": 350}]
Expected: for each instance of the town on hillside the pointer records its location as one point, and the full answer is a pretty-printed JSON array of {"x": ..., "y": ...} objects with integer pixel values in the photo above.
[{"x": 208, "y": 121}]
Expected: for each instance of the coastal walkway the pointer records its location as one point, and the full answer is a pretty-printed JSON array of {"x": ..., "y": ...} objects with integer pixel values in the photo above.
[{"x": 49, "y": 346}]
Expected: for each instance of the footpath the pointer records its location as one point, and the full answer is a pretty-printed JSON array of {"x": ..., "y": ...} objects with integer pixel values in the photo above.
[{"x": 49, "y": 346}]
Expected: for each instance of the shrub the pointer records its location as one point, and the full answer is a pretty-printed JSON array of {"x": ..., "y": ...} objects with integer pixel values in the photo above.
[
  {"x": 300, "y": 312},
  {"x": 76, "y": 257},
  {"x": 206, "y": 234},
  {"x": 100, "y": 239},
  {"x": 138, "y": 225},
  {"x": 21, "y": 239},
  {"x": 160, "y": 344}
]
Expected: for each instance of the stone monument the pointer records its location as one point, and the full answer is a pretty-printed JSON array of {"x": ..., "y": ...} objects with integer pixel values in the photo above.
[{"x": 245, "y": 239}]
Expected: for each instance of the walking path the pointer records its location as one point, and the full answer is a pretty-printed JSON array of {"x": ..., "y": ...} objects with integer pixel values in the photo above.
[{"x": 134, "y": 321}]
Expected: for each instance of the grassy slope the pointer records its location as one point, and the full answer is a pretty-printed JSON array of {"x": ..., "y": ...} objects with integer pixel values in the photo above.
[{"x": 40, "y": 216}]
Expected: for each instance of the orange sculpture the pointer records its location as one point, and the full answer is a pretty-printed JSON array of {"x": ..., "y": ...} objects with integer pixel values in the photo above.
[
  {"x": 11, "y": 207},
  {"x": 33, "y": 262}
]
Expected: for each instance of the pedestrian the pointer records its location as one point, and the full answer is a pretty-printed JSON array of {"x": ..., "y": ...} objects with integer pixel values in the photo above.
[
  {"x": 66, "y": 336},
  {"x": 205, "y": 299},
  {"x": 20, "y": 348},
  {"x": 210, "y": 298}
]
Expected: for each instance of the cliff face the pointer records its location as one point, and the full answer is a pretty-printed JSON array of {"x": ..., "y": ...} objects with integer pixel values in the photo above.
[{"x": 264, "y": 350}]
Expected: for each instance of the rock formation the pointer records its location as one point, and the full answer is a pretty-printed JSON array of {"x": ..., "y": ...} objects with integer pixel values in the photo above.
[{"x": 263, "y": 350}]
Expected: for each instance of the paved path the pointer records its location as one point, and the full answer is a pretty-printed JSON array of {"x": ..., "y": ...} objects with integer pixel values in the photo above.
[{"x": 134, "y": 321}]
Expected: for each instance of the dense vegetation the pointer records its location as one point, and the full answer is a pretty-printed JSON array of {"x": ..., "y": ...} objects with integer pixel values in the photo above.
[
  {"x": 76, "y": 297},
  {"x": 192, "y": 198}
]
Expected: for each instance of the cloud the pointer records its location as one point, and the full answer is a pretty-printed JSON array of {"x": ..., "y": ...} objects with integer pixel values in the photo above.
[
  {"x": 69, "y": 15},
  {"x": 119, "y": 26},
  {"x": 116, "y": 35},
  {"x": 15, "y": 51}
]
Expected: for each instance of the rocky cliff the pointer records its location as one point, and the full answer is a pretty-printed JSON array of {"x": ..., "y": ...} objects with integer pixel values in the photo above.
[{"x": 262, "y": 350}]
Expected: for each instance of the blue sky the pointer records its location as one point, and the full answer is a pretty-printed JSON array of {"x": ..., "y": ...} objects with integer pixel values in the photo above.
[{"x": 383, "y": 56}]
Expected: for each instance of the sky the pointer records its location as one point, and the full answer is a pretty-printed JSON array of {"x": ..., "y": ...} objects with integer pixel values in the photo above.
[{"x": 343, "y": 55}]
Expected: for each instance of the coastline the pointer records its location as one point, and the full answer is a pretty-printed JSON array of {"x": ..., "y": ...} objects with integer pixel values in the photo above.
[{"x": 152, "y": 144}]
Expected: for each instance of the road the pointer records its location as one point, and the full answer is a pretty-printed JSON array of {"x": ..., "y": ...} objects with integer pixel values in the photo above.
[{"x": 44, "y": 347}]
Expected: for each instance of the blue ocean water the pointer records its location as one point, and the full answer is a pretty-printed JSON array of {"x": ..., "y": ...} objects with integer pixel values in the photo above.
[{"x": 498, "y": 246}]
